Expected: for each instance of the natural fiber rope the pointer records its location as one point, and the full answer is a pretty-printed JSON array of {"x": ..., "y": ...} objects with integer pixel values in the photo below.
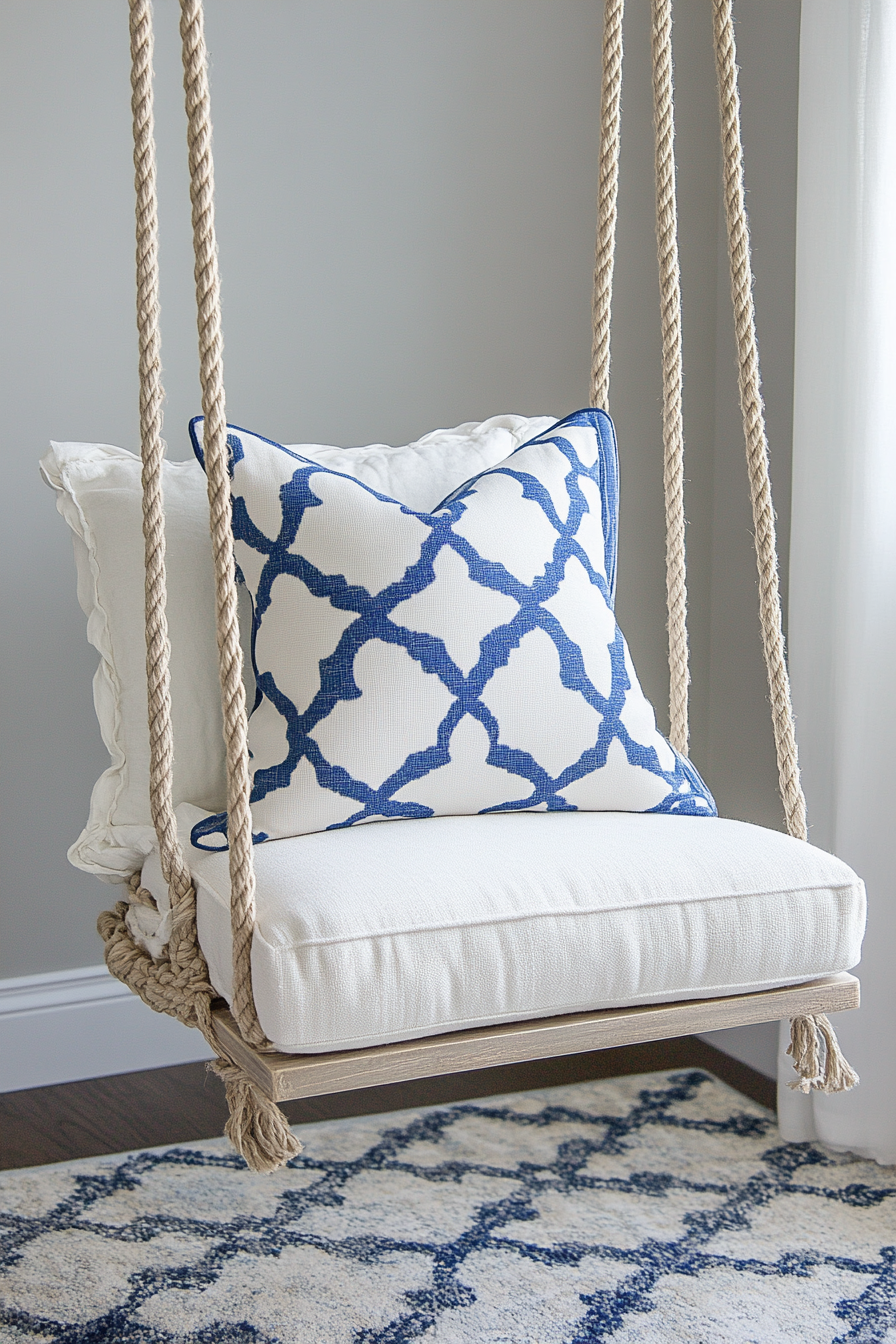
[
  {"x": 607, "y": 192},
  {"x": 165, "y": 986},
  {"x": 211, "y": 360},
  {"x": 256, "y": 1127},
  {"x": 673, "y": 431},
  {"x": 818, "y": 1071},
  {"x": 183, "y": 948},
  {"x": 808, "y": 1032},
  {"x": 177, "y": 982},
  {"x": 152, "y": 453},
  {"x": 754, "y": 423}
]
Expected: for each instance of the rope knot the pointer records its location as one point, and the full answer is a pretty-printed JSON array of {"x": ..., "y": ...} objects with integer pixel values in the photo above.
[{"x": 257, "y": 1127}]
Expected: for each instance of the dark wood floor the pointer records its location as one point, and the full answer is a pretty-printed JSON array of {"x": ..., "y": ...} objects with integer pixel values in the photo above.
[{"x": 186, "y": 1102}]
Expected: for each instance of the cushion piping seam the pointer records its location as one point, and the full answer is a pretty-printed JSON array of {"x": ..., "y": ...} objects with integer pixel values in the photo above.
[{"x": 838, "y": 891}]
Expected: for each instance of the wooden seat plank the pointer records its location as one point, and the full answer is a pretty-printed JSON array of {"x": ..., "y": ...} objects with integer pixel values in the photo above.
[{"x": 288, "y": 1077}]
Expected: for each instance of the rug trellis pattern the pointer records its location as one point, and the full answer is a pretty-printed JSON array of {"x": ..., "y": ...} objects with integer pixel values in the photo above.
[{"x": 656, "y": 1208}]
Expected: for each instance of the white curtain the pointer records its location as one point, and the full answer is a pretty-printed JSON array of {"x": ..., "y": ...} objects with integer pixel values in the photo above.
[{"x": 843, "y": 550}]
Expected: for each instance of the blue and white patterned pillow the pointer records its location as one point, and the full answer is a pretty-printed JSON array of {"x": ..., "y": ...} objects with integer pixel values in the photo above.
[{"x": 467, "y": 660}]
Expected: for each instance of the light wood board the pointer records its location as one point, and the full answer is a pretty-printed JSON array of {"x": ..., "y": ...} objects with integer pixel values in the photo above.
[{"x": 288, "y": 1077}]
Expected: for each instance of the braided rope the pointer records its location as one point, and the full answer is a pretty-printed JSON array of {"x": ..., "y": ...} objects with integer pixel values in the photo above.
[
  {"x": 607, "y": 193},
  {"x": 754, "y": 423},
  {"x": 165, "y": 986},
  {"x": 211, "y": 360},
  {"x": 256, "y": 1126},
  {"x": 673, "y": 431}
]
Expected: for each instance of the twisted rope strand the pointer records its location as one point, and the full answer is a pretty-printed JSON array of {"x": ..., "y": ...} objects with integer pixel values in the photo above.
[
  {"x": 177, "y": 982},
  {"x": 183, "y": 946},
  {"x": 754, "y": 423},
  {"x": 607, "y": 192},
  {"x": 673, "y": 430},
  {"x": 233, "y": 700}
]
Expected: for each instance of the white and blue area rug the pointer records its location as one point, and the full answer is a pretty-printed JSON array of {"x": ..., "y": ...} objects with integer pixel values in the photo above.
[{"x": 663, "y": 1207}]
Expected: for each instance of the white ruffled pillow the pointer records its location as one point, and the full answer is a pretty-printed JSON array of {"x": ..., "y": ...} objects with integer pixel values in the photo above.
[
  {"x": 413, "y": 663},
  {"x": 99, "y": 495}
]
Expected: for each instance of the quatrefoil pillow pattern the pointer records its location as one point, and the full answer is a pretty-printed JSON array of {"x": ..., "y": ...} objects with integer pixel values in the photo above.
[{"x": 467, "y": 660}]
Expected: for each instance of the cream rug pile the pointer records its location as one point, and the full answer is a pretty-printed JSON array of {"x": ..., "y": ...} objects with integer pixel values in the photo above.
[{"x": 663, "y": 1207}]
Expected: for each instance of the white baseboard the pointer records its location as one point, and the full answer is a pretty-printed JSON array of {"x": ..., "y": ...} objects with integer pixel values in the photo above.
[{"x": 68, "y": 1025}]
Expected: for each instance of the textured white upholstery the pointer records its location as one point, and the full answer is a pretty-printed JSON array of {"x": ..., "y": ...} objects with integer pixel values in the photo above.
[
  {"x": 467, "y": 660},
  {"x": 400, "y": 929},
  {"x": 98, "y": 493}
]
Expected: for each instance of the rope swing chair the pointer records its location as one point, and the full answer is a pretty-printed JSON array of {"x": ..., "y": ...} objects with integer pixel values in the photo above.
[{"x": 177, "y": 979}]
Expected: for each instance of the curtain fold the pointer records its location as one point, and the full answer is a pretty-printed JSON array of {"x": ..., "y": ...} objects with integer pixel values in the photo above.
[{"x": 842, "y": 622}]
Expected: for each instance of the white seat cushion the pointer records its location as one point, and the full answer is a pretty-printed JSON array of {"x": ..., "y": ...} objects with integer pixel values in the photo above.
[{"x": 395, "y": 930}]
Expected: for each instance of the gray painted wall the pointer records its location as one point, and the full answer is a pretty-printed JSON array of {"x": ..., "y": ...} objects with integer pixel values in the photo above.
[{"x": 406, "y": 219}]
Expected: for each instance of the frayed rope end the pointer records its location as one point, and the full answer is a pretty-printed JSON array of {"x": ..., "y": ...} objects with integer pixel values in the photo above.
[
  {"x": 257, "y": 1127},
  {"x": 807, "y": 1032}
]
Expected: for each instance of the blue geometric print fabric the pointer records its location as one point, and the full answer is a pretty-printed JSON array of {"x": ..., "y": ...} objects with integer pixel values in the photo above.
[
  {"x": 461, "y": 661},
  {"x": 648, "y": 1210}
]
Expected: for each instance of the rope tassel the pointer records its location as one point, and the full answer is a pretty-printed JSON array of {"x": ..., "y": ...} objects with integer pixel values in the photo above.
[
  {"x": 807, "y": 1034},
  {"x": 257, "y": 1127}
]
